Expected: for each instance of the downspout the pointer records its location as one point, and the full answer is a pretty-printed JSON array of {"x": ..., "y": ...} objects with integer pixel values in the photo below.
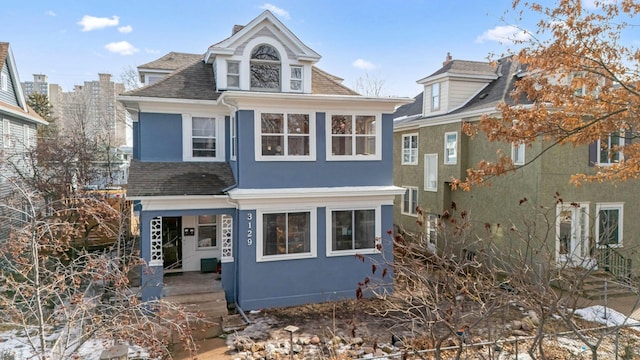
[{"x": 234, "y": 110}]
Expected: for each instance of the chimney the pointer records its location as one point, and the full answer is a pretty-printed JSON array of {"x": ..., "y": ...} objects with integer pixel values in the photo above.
[
  {"x": 236, "y": 28},
  {"x": 448, "y": 59}
]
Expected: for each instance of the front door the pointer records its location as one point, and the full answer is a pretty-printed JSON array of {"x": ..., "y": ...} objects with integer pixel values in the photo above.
[
  {"x": 172, "y": 243},
  {"x": 572, "y": 230}
]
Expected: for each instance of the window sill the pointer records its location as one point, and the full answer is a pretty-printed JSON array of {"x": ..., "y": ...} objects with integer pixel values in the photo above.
[
  {"x": 336, "y": 253},
  {"x": 301, "y": 256}
]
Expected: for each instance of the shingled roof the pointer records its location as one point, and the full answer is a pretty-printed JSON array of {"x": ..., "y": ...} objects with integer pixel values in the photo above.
[
  {"x": 4, "y": 50},
  {"x": 172, "y": 61},
  {"x": 194, "y": 80},
  {"x": 465, "y": 67},
  {"x": 178, "y": 178}
]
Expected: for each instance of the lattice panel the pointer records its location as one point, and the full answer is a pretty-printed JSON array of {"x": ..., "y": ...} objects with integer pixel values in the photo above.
[
  {"x": 156, "y": 242},
  {"x": 227, "y": 239}
]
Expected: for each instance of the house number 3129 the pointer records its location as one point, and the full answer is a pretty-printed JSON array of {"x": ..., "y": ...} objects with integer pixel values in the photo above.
[{"x": 249, "y": 229}]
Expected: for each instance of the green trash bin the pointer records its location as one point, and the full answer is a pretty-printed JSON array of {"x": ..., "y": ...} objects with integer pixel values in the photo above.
[{"x": 208, "y": 265}]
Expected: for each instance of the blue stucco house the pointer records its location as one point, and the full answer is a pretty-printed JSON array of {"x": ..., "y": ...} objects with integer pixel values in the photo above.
[{"x": 251, "y": 155}]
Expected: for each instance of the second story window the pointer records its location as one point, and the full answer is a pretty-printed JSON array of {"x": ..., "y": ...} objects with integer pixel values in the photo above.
[
  {"x": 410, "y": 149},
  {"x": 517, "y": 153},
  {"x": 608, "y": 149},
  {"x": 410, "y": 201},
  {"x": 234, "y": 138},
  {"x": 451, "y": 148},
  {"x": 203, "y": 135},
  {"x": 285, "y": 135},
  {"x": 354, "y": 136},
  {"x": 265, "y": 68},
  {"x": 431, "y": 172},
  {"x": 435, "y": 96},
  {"x": 296, "y": 78},
  {"x": 233, "y": 74}
]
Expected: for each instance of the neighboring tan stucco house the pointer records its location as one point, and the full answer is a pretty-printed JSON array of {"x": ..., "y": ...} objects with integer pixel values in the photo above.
[{"x": 430, "y": 149}]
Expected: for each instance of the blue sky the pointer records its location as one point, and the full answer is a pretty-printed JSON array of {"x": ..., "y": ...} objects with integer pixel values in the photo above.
[{"x": 397, "y": 42}]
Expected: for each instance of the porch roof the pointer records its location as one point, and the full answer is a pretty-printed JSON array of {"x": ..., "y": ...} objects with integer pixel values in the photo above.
[{"x": 178, "y": 178}]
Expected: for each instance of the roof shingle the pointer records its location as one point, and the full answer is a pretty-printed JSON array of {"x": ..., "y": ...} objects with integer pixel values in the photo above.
[{"x": 178, "y": 178}]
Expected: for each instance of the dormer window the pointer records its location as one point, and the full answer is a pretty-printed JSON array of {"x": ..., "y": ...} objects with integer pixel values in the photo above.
[
  {"x": 296, "y": 78},
  {"x": 435, "y": 96},
  {"x": 265, "y": 68},
  {"x": 233, "y": 74}
]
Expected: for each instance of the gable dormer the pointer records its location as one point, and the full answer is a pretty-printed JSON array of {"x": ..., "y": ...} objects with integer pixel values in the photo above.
[
  {"x": 265, "y": 56},
  {"x": 455, "y": 83}
]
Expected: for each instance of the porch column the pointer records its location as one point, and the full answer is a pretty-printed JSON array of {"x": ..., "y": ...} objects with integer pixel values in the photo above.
[{"x": 151, "y": 252}]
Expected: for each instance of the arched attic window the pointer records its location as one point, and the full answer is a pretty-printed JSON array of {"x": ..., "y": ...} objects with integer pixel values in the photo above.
[{"x": 265, "y": 68}]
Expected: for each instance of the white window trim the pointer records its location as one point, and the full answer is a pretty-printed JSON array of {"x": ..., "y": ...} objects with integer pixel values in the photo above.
[
  {"x": 329, "y": 139},
  {"x": 4, "y": 82},
  {"x": 515, "y": 148},
  {"x": 378, "y": 234},
  {"x": 412, "y": 212},
  {"x": 609, "y": 162},
  {"x": 218, "y": 234},
  {"x": 258, "y": 136},
  {"x": 611, "y": 206},
  {"x": 426, "y": 171},
  {"x": 313, "y": 235},
  {"x": 187, "y": 144},
  {"x": 234, "y": 138},
  {"x": 446, "y": 160},
  {"x": 411, "y": 155},
  {"x": 6, "y": 133}
]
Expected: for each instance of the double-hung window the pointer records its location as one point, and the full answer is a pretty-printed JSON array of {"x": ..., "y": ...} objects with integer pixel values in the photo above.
[
  {"x": 285, "y": 136},
  {"x": 435, "y": 96},
  {"x": 608, "y": 152},
  {"x": 410, "y": 149},
  {"x": 432, "y": 229},
  {"x": 233, "y": 74},
  {"x": 609, "y": 224},
  {"x": 431, "y": 172},
  {"x": 296, "y": 78},
  {"x": 517, "y": 153},
  {"x": 352, "y": 230},
  {"x": 207, "y": 231},
  {"x": 451, "y": 148},
  {"x": 286, "y": 235},
  {"x": 354, "y": 137},
  {"x": 410, "y": 201},
  {"x": 203, "y": 137},
  {"x": 6, "y": 133}
]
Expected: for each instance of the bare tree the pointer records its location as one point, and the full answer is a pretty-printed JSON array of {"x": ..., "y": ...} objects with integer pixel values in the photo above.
[
  {"x": 369, "y": 85},
  {"x": 62, "y": 295}
]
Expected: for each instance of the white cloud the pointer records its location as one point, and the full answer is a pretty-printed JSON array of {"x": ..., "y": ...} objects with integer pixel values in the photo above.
[
  {"x": 125, "y": 29},
  {"x": 122, "y": 48},
  {"x": 51, "y": 13},
  {"x": 507, "y": 33},
  {"x": 93, "y": 23},
  {"x": 276, "y": 10},
  {"x": 151, "y": 51},
  {"x": 363, "y": 64}
]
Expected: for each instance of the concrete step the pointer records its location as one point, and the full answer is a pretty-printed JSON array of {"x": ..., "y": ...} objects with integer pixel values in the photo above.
[
  {"x": 211, "y": 309},
  {"x": 194, "y": 298}
]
